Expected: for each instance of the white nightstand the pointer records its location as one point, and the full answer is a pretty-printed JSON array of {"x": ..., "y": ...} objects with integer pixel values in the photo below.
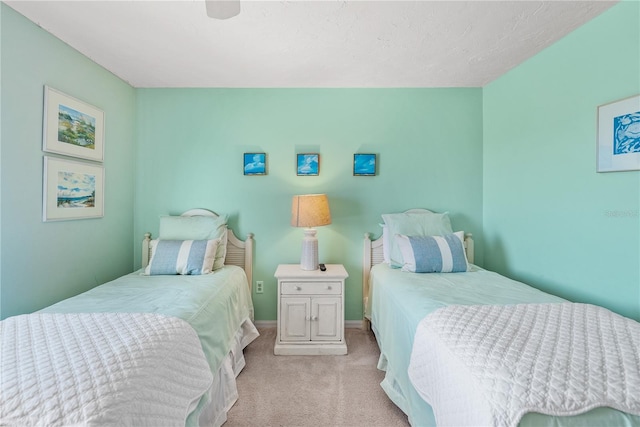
[{"x": 310, "y": 310}]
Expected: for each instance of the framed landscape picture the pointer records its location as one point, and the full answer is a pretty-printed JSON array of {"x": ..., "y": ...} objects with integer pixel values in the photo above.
[
  {"x": 364, "y": 164},
  {"x": 308, "y": 164},
  {"x": 72, "y": 189},
  {"x": 72, "y": 127},
  {"x": 619, "y": 135},
  {"x": 255, "y": 163}
]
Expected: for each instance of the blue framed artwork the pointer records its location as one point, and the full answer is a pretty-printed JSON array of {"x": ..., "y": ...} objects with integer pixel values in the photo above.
[
  {"x": 308, "y": 164},
  {"x": 255, "y": 163},
  {"x": 364, "y": 164},
  {"x": 619, "y": 135}
]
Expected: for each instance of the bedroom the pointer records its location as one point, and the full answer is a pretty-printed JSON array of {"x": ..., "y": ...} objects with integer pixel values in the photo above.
[{"x": 535, "y": 125}]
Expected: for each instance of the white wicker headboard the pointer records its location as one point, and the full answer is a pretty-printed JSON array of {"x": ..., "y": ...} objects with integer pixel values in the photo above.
[
  {"x": 373, "y": 255},
  {"x": 239, "y": 252}
]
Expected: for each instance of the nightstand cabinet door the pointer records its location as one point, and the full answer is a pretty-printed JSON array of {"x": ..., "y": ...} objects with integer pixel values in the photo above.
[
  {"x": 326, "y": 319},
  {"x": 295, "y": 314}
]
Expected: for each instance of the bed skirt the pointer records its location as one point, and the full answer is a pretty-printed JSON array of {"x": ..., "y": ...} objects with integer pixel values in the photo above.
[{"x": 223, "y": 388}]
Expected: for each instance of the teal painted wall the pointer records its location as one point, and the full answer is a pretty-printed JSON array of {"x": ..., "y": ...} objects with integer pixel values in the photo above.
[
  {"x": 549, "y": 219},
  {"x": 191, "y": 142},
  {"x": 514, "y": 163},
  {"x": 43, "y": 263}
]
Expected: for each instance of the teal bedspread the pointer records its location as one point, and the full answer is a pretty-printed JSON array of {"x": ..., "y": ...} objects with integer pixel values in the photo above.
[
  {"x": 215, "y": 305},
  {"x": 399, "y": 300}
]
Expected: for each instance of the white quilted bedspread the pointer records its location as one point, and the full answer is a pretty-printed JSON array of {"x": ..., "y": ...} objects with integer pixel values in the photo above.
[
  {"x": 489, "y": 365},
  {"x": 99, "y": 369}
]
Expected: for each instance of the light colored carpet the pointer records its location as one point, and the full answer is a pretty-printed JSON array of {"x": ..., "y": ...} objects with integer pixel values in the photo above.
[{"x": 313, "y": 390}]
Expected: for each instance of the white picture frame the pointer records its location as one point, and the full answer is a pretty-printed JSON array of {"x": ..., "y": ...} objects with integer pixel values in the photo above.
[
  {"x": 72, "y": 189},
  {"x": 72, "y": 127},
  {"x": 618, "y": 144}
]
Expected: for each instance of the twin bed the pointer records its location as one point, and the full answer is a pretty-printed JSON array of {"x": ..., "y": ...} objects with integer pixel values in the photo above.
[
  {"x": 476, "y": 348},
  {"x": 150, "y": 348},
  {"x": 463, "y": 348}
]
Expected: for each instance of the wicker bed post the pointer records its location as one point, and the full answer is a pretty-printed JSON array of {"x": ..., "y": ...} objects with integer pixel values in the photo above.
[
  {"x": 146, "y": 247},
  {"x": 469, "y": 247},
  {"x": 248, "y": 260},
  {"x": 366, "y": 267}
]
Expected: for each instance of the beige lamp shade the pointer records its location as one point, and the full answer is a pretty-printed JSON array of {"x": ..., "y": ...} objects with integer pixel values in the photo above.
[{"x": 310, "y": 210}]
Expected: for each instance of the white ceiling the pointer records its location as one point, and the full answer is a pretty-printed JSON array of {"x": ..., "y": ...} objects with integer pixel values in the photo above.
[{"x": 310, "y": 43}]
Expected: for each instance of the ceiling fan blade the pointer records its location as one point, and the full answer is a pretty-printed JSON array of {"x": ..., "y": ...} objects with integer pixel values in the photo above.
[{"x": 222, "y": 9}]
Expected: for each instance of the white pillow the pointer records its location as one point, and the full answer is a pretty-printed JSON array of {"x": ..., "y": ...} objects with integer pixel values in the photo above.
[
  {"x": 221, "y": 252},
  {"x": 386, "y": 244},
  {"x": 188, "y": 257},
  {"x": 414, "y": 224},
  {"x": 433, "y": 254},
  {"x": 197, "y": 228}
]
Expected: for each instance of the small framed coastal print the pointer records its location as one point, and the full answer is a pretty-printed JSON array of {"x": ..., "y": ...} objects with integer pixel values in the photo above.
[
  {"x": 72, "y": 127},
  {"x": 72, "y": 189},
  {"x": 619, "y": 135},
  {"x": 308, "y": 164},
  {"x": 364, "y": 164},
  {"x": 255, "y": 163}
]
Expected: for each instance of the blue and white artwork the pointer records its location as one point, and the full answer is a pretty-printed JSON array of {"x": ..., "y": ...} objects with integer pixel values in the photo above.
[
  {"x": 619, "y": 135},
  {"x": 255, "y": 164},
  {"x": 76, "y": 190},
  {"x": 626, "y": 134},
  {"x": 364, "y": 164},
  {"x": 308, "y": 164}
]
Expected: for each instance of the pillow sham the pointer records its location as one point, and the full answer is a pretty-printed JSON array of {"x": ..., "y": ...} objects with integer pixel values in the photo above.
[
  {"x": 186, "y": 257},
  {"x": 414, "y": 224},
  {"x": 221, "y": 252},
  {"x": 197, "y": 228},
  {"x": 433, "y": 254},
  {"x": 385, "y": 243}
]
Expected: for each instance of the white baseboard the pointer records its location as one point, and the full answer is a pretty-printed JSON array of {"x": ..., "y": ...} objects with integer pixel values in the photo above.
[
  {"x": 265, "y": 323},
  {"x": 349, "y": 324},
  {"x": 353, "y": 324}
]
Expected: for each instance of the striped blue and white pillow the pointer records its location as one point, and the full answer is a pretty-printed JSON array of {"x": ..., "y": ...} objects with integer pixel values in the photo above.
[
  {"x": 433, "y": 254},
  {"x": 182, "y": 257}
]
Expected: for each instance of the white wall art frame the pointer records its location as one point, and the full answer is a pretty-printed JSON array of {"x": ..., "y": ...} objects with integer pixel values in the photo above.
[
  {"x": 619, "y": 135},
  {"x": 72, "y": 190},
  {"x": 72, "y": 127}
]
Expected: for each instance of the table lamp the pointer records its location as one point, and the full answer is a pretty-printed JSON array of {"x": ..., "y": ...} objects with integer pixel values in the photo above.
[{"x": 310, "y": 210}]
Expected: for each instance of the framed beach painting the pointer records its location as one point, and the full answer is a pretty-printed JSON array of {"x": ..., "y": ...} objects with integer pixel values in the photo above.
[
  {"x": 308, "y": 164},
  {"x": 255, "y": 163},
  {"x": 72, "y": 189},
  {"x": 364, "y": 164},
  {"x": 619, "y": 135},
  {"x": 72, "y": 127}
]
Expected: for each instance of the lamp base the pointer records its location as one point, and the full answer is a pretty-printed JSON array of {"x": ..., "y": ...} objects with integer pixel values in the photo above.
[{"x": 309, "y": 257}]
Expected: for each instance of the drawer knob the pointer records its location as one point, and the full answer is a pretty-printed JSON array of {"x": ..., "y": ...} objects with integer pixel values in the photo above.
[
  {"x": 314, "y": 317},
  {"x": 297, "y": 288},
  {"x": 328, "y": 287}
]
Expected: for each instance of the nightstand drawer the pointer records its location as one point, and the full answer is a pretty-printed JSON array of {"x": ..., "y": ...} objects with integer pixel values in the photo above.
[{"x": 311, "y": 288}]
